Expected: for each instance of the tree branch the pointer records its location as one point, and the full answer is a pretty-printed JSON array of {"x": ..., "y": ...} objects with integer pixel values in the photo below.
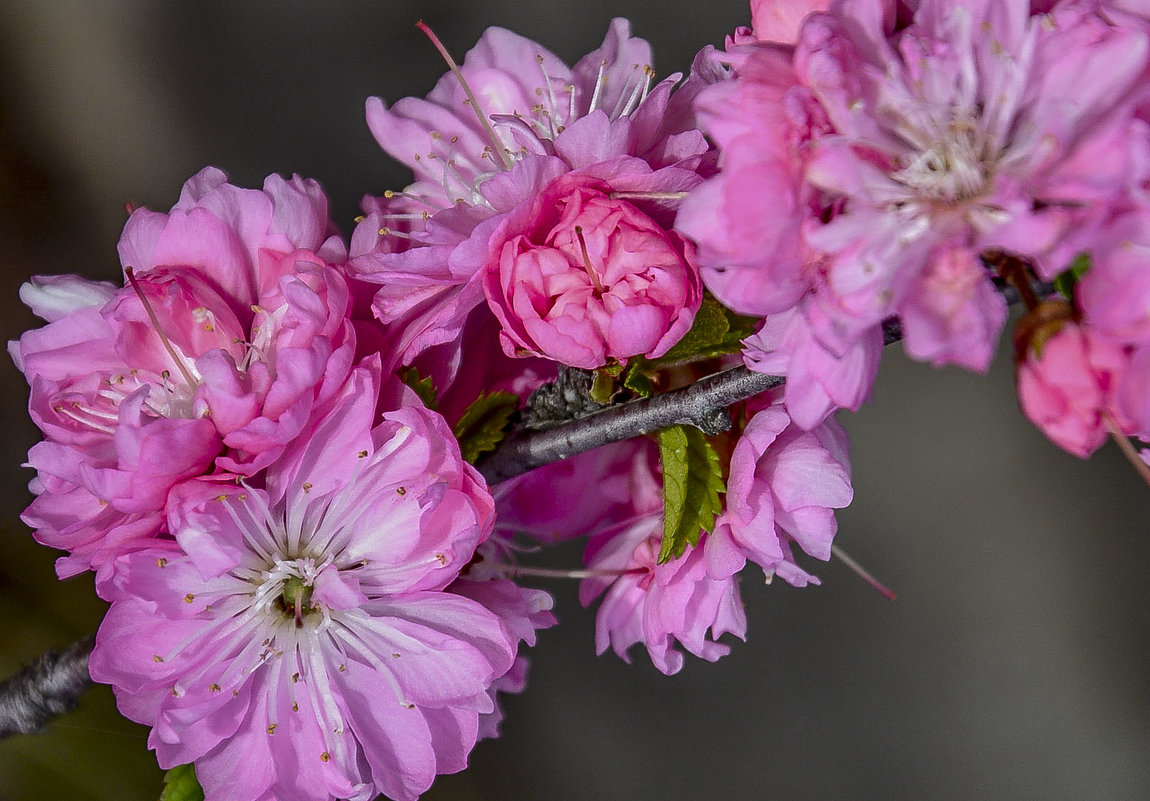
[
  {"x": 695, "y": 404},
  {"x": 45, "y": 689}
]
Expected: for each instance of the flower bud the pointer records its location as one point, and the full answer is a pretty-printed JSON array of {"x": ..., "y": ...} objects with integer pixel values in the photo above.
[{"x": 582, "y": 277}]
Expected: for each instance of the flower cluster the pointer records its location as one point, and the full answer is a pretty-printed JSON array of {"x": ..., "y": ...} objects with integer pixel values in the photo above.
[
  {"x": 313, "y": 591},
  {"x": 896, "y": 158}
]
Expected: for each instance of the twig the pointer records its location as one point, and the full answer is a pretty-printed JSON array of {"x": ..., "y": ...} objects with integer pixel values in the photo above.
[
  {"x": 694, "y": 404},
  {"x": 47, "y": 688}
]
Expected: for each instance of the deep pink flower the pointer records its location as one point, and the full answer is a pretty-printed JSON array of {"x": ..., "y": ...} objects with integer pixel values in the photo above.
[
  {"x": 1068, "y": 390},
  {"x": 233, "y": 330},
  {"x": 784, "y": 486},
  {"x": 534, "y": 120},
  {"x": 583, "y": 278},
  {"x": 659, "y": 605},
  {"x": 296, "y": 640}
]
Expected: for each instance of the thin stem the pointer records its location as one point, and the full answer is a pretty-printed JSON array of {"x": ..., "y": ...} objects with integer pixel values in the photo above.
[
  {"x": 1123, "y": 443},
  {"x": 648, "y": 195},
  {"x": 548, "y": 572},
  {"x": 863, "y": 573},
  {"x": 155, "y": 320},
  {"x": 495, "y": 143}
]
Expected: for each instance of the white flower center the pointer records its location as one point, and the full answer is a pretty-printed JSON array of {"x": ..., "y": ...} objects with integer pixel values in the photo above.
[{"x": 950, "y": 164}]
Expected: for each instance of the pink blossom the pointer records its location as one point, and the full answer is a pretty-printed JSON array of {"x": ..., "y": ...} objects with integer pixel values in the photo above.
[
  {"x": 660, "y": 606},
  {"x": 534, "y": 120},
  {"x": 968, "y": 124},
  {"x": 825, "y": 371},
  {"x": 952, "y": 313},
  {"x": 1068, "y": 389},
  {"x": 296, "y": 641},
  {"x": 527, "y": 100},
  {"x": 784, "y": 486},
  {"x": 583, "y": 278},
  {"x": 894, "y": 158},
  {"x": 748, "y": 220},
  {"x": 140, "y": 387},
  {"x": 228, "y": 233},
  {"x": 1014, "y": 161}
]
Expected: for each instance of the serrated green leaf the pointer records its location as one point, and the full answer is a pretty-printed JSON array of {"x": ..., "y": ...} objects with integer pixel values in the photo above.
[
  {"x": 484, "y": 424},
  {"x": 1066, "y": 281},
  {"x": 739, "y": 326},
  {"x": 716, "y": 331},
  {"x": 424, "y": 387},
  {"x": 708, "y": 330},
  {"x": 638, "y": 381},
  {"x": 180, "y": 784},
  {"x": 692, "y": 484}
]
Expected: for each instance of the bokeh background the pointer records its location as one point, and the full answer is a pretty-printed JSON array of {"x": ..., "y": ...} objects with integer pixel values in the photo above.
[{"x": 1012, "y": 666}]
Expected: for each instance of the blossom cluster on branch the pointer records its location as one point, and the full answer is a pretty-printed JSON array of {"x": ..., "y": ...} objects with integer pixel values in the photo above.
[{"x": 264, "y": 443}]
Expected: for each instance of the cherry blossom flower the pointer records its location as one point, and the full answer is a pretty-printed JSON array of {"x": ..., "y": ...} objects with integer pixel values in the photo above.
[
  {"x": 1068, "y": 388},
  {"x": 659, "y": 605},
  {"x": 296, "y": 639},
  {"x": 492, "y": 136},
  {"x": 583, "y": 278},
  {"x": 784, "y": 486},
  {"x": 892, "y": 158},
  {"x": 231, "y": 331},
  {"x": 966, "y": 124}
]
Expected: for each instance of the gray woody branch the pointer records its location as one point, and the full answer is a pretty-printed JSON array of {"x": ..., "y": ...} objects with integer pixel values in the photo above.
[{"x": 50, "y": 686}]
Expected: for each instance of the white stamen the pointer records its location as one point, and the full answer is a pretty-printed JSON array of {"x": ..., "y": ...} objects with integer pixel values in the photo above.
[{"x": 600, "y": 80}]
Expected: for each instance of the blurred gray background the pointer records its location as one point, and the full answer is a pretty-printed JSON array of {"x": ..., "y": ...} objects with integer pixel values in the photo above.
[{"x": 1012, "y": 666}]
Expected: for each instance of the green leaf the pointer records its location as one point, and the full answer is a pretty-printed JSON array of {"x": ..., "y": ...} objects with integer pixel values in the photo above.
[
  {"x": 424, "y": 387},
  {"x": 739, "y": 328},
  {"x": 716, "y": 331},
  {"x": 1067, "y": 281},
  {"x": 638, "y": 381},
  {"x": 180, "y": 784},
  {"x": 484, "y": 424},
  {"x": 603, "y": 387},
  {"x": 692, "y": 484},
  {"x": 708, "y": 330}
]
